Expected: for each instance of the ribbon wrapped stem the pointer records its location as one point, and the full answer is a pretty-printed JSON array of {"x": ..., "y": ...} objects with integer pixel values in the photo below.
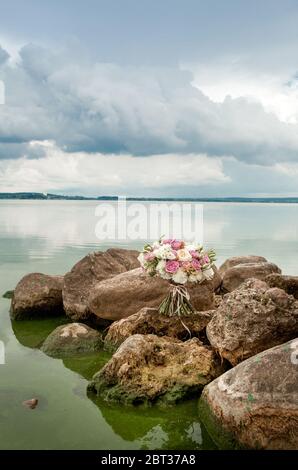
[{"x": 177, "y": 302}]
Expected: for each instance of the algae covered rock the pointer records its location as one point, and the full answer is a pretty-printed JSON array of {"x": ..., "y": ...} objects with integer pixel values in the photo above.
[
  {"x": 149, "y": 321},
  {"x": 149, "y": 369},
  {"x": 90, "y": 270},
  {"x": 73, "y": 338},
  {"x": 255, "y": 404},
  {"x": 37, "y": 295},
  {"x": 251, "y": 319}
]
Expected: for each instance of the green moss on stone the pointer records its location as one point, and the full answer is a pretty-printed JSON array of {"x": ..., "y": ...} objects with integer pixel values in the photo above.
[
  {"x": 222, "y": 438},
  {"x": 8, "y": 294}
]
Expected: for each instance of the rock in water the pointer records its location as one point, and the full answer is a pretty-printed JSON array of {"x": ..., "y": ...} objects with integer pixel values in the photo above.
[
  {"x": 73, "y": 338},
  {"x": 287, "y": 283},
  {"x": 251, "y": 319},
  {"x": 8, "y": 294},
  {"x": 32, "y": 403},
  {"x": 255, "y": 404},
  {"x": 149, "y": 321},
  {"x": 37, "y": 295},
  {"x": 127, "y": 293},
  {"x": 89, "y": 271},
  {"x": 236, "y": 270},
  {"x": 147, "y": 369}
]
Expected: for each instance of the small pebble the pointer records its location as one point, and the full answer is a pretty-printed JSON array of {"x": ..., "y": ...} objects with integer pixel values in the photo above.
[{"x": 32, "y": 404}]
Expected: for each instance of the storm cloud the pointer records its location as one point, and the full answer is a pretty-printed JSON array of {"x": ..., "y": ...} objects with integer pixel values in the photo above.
[{"x": 86, "y": 106}]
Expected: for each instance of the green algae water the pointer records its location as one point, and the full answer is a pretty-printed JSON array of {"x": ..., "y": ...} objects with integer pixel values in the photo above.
[{"x": 51, "y": 236}]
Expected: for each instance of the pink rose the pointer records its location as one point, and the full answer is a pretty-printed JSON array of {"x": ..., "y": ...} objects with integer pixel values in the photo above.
[
  {"x": 196, "y": 264},
  {"x": 205, "y": 260},
  {"x": 149, "y": 256},
  {"x": 186, "y": 266},
  {"x": 177, "y": 244},
  {"x": 194, "y": 254},
  {"x": 167, "y": 241},
  {"x": 172, "y": 266}
]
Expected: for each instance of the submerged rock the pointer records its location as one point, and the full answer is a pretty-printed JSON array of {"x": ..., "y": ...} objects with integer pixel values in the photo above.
[
  {"x": 287, "y": 283},
  {"x": 37, "y": 295},
  {"x": 8, "y": 294},
  {"x": 148, "y": 369},
  {"x": 127, "y": 293},
  {"x": 73, "y": 338},
  {"x": 251, "y": 319},
  {"x": 255, "y": 404},
  {"x": 31, "y": 404},
  {"x": 236, "y": 270},
  {"x": 149, "y": 321},
  {"x": 90, "y": 270}
]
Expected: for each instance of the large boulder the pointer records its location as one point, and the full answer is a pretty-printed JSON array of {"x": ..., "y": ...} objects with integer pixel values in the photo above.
[
  {"x": 127, "y": 293},
  {"x": 149, "y": 321},
  {"x": 73, "y": 338},
  {"x": 147, "y": 369},
  {"x": 287, "y": 283},
  {"x": 251, "y": 319},
  {"x": 90, "y": 270},
  {"x": 236, "y": 260},
  {"x": 255, "y": 404},
  {"x": 236, "y": 270},
  {"x": 37, "y": 295}
]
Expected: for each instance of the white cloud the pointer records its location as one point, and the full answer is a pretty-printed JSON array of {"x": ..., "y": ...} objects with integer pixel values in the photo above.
[
  {"x": 103, "y": 174},
  {"x": 229, "y": 76},
  {"x": 107, "y": 108}
]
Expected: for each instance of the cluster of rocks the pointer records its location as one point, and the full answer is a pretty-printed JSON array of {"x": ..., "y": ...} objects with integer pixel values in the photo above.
[{"x": 239, "y": 347}]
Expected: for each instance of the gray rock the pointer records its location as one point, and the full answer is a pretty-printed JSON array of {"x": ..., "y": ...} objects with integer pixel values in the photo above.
[
  {"x": 73, "y": 338},
  {"x": 255, "y": 404}
]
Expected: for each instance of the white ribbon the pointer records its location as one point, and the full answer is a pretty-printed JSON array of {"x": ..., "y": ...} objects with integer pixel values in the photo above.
[{"x": 179, "y": 293}]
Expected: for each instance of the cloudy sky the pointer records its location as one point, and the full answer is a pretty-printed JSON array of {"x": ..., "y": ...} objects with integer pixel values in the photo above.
[{"x": 149, "y": 97}]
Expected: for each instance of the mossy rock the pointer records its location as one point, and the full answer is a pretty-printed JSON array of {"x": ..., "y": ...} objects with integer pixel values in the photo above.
[
  {"x": 223, "y": 439},
  {"x": 74, "y": 338},
  {"x": 8, "y": 294}
]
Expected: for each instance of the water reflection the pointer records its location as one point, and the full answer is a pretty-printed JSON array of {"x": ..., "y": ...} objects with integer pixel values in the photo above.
[
  {"x": 37, "y": 231},
  {"x": 175, "y": 427}
]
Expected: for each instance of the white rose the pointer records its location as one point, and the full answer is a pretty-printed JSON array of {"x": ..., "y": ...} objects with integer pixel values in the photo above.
[
  {"x": 208, "y": 274},
  {"x": 180, "y": 277},
  {"x": 165, "y": 252},
  {"x": 160, "y": 268},
  {"x": 196, "y": 277},
  {"x": 191, "y": 247},
  {"x": 184, "y": 255}
]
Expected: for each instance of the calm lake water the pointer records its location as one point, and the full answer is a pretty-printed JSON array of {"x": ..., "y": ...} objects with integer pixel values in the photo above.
[{"x": 50, "y": 237}]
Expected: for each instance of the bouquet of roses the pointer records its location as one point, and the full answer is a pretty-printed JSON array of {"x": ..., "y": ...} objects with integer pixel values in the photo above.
[{"x": 179, "y": 263}]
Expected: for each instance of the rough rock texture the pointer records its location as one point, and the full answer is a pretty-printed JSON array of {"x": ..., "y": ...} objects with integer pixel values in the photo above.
[
  {"x": 37, "y": 295},
  {"x": 287, "y": 283},
  {"x": 236, "y": 270},
  {"x": 72, "y": 338},
  {"x": 255, "y": 405},
  {"x": 149, "y": 321},
  {"x": 89, "y": 271},
  {"x": 127, "y": 293},
  {"x": 217, "y": 279},
  {"x": 147, "y": 369},
  {"x": 251, "y": 319}
]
